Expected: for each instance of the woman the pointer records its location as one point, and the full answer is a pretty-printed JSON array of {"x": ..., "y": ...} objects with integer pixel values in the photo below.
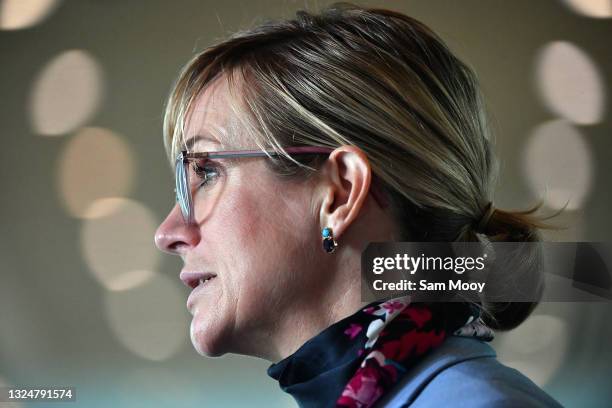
[{"x": 332, "y": 131}]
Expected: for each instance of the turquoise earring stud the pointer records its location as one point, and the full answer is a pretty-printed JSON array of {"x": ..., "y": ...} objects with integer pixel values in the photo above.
[{"x": 329, "y": 243}]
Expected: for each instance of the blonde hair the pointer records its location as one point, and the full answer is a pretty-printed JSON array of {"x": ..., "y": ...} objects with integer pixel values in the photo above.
[{"x": 384, "y": 82}]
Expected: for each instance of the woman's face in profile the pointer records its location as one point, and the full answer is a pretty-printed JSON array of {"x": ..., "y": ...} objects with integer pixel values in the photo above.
[{"x": 252, "y": 231}]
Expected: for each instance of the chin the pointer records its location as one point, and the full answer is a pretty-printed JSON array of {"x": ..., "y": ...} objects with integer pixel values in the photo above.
[{"x": 204, "y": 341}]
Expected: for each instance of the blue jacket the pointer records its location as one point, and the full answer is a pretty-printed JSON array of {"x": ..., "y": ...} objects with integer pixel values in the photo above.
[
  {"x": 464, "y": 372},
  {"x": 461, "y": 372}
]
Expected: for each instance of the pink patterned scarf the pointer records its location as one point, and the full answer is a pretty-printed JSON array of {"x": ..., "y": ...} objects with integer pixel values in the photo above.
[{"x": 398, "y": 334}]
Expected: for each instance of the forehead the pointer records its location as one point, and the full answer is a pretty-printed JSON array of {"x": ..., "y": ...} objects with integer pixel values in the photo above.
[{"x": 211, "y": 123}]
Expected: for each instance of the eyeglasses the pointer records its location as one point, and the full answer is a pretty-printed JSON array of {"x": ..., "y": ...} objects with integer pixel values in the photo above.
[{"x": 184, "y": 193}]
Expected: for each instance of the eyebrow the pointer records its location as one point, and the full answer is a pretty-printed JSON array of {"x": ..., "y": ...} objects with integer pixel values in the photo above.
[{"x": 190, "y": 142}]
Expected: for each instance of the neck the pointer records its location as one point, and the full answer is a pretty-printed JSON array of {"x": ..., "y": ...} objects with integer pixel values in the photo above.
[{"x": 341, "y": 299}]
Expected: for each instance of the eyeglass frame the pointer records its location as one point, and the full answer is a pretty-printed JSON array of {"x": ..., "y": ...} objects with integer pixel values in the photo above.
[{"x": 183, "y": 159}]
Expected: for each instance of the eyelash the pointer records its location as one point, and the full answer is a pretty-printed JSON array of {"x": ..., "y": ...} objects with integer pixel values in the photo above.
[{"x": 203, "y": 171}]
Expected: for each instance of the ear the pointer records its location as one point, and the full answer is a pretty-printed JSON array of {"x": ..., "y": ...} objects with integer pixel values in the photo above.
[{"x": 345, "y": 183}]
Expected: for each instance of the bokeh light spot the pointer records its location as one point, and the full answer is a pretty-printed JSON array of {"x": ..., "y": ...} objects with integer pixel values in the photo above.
[
  {"x": 96, "y": 164},
  {"x": 591, "y": 8},
  {"x": 149, "y": 320},
  {"x": 570, "y": 83},
  {"x": 66, "y": 93},
  {"x": 559, "y": 164},
  {"x": 118, "y": 246},
  {"x": 18, "y": 14}
]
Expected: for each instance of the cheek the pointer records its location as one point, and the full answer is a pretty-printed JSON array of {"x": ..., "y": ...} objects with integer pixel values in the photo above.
[{"x": 268, "y": 240}]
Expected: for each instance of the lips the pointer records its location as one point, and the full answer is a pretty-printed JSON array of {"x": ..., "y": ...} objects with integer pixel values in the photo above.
[
  {"x": 198, "y": 281},
  {"x": 194, "y": 279}
]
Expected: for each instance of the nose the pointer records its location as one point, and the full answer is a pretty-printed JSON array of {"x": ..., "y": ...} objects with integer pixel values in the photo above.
[{"x": 174, "y": 236}]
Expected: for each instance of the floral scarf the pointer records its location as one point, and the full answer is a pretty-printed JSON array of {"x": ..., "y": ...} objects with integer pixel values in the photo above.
[
  {"x": 398, "y": 334},
  {"x": 355, "y": 361}
]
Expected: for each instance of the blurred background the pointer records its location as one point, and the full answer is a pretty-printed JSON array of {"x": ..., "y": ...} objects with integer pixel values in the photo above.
[{"x": 87, "y": 301}]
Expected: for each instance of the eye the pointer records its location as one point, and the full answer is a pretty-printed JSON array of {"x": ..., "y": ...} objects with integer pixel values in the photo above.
[{"x": 206, "y": 172}]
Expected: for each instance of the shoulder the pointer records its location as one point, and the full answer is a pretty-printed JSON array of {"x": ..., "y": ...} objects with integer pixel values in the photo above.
[
  {"x": 482, "y": 382},
  {"x": 465, "y": 372}
]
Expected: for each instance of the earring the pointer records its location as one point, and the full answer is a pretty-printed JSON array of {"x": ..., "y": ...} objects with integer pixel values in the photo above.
[{"x": 329, "y": 243}]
